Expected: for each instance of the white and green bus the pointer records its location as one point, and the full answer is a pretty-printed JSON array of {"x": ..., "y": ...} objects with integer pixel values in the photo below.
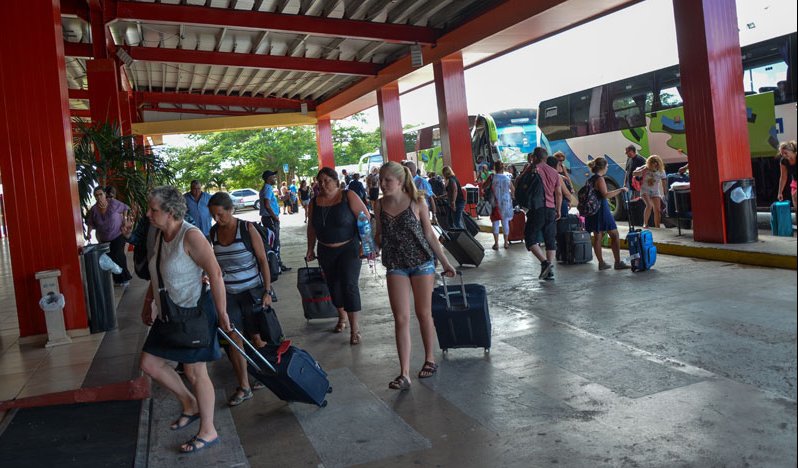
[
  {"x": 646, "y": 110},
  {"x": 506, "y": 135}
]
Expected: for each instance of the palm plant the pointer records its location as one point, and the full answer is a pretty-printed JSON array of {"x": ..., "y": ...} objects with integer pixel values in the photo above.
[{"x": 103, "y": 156}]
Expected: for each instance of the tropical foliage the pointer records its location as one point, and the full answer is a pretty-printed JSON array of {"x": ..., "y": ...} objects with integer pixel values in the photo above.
[
  {"x": 103, "y": 157},
  {"x": 236, "y": 159}
]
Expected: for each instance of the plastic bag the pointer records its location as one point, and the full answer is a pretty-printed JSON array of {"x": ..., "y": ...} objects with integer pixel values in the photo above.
[
  {"x": 52, "y": 302},
  {"x": 108, "y": 265}
]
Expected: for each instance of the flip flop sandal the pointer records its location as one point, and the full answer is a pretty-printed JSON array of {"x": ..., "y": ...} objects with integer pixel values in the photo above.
[
  {"x": 399, "y": 383},
  {"x": 192, "y": 447},
  {"x": 190, "y": 418},
  {"x": 240, "y": 396},
  {"x": 339, "y": 327},
  {"x": 257, "y": 385},
  {"x": 428, "y": 370}
]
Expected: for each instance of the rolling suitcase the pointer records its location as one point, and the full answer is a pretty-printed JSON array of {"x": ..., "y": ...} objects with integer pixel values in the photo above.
[
  {"x": 316, "y": 299},
  {"x": 289, "y": 372},
  {"x": 470, "y": 224},
  {"x": 781, "y": 219},
  {"x": 463, "y": 247},
  {"x": 576, "y": 248},
  {"x": 517, "y": 226},
  {"x": 463, "y": 322},
  {"x": 642, "y": 251}
]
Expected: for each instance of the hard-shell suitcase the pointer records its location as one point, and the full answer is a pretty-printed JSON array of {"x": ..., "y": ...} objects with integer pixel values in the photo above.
[
  {"x": 576, "y": 248},
  {"x": 289, "y": 372},
  {"x": 316, "y": 299},
  {"x": 781, "y": 219},
  {"x": 463, "y": 247},
  {"x": 642, "y": 251},
  {"x": 517, "y": 225},
  {"x": 462, "y": 322}
]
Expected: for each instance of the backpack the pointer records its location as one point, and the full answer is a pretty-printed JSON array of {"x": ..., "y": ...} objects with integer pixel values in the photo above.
[
  {"x": 589, "y": 203},
  {"x": 266, "y": 235},
  {"x": 529, "y": 191}
]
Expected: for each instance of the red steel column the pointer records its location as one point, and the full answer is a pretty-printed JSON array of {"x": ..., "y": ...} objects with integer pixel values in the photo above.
[
  {"x": 453, "y": 117},
  {"x": 324, "y": 143},
  {"x": 393, "y": 141},
  {"x": 39, "y": 182},
  {"x": 714, "y": 107},
  {"x": 103, "y": 91},
  {"x": 125, "y": 113}
]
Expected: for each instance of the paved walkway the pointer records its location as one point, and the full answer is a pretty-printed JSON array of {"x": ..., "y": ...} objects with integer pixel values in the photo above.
[{"x": 690, "y": 364}]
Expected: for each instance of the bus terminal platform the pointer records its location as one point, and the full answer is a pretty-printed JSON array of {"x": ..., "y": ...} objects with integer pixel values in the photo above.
[{"x": 690, "y": 364}]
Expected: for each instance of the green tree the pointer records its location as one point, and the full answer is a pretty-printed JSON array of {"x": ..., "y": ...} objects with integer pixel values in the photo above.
[{"x": 236, "y": 159}]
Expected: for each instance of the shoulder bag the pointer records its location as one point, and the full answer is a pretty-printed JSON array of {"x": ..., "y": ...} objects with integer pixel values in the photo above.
[{"x": 181, "y": 327}]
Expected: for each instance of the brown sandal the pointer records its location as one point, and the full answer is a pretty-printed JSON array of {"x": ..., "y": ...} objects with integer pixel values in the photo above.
[
  {"x": 399, "y": 383},
  {"x": 354, "y": 339},
  {"x": 339, "y": 327},
  {"x": 428, "y": 370}
]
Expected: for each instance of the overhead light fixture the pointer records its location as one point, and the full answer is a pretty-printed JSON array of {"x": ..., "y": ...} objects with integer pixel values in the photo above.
[
  {"x": 751, "y": 25},
  {"x": 304, "y": 108},
  {"x": 416, "y": 57},
  {"x": 124, "y": 57}
]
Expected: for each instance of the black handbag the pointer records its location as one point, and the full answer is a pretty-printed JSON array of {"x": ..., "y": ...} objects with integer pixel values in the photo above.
[
  {"x": 268, "y": 325},
  {"x": 181, "y": 327}
]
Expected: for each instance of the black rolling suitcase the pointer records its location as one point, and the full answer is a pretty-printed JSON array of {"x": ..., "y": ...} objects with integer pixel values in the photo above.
[
  {"x": 463, "y": 247},
  {"x": 316, "y": 299},
  {"x": 462, "y": 322},
  {"x": 289, "y": 372},
  {"x": 470, "y": 224},
  {"x": 576, "y": 248}
]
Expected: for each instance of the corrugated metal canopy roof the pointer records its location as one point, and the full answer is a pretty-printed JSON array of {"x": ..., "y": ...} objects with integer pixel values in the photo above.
[{"x": 194, "y": 58}]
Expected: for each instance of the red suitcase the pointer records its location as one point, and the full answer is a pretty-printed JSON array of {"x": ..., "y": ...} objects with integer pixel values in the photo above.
[{"x": 517, "y": 226}]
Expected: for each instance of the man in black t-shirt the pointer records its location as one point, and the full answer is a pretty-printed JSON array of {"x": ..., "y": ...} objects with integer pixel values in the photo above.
[{"x": 633, "y": 161}]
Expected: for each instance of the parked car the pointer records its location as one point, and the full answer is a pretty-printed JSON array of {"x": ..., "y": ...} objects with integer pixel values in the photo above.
[{"x": 243, "y": 198}]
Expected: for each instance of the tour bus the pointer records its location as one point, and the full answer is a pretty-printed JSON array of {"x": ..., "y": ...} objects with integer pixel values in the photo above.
[
  {"x": 506, "y": 136},
  {"x": 646, "y": 110}
]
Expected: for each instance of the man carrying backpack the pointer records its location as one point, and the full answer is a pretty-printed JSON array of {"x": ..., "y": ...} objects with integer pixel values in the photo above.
[{"x": 540, "y": 193}]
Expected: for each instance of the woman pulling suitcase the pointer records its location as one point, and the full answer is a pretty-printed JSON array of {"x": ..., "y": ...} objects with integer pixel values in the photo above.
[
  {"x": 409, "y": 246},
  {"x": 333, "y": 223},
  {"x": 247, "y": 280}
]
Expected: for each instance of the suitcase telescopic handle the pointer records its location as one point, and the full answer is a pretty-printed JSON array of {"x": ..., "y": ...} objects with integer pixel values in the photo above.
[
  {"x": 462, "y": 290},
  {"x": 244, "y": 353}
]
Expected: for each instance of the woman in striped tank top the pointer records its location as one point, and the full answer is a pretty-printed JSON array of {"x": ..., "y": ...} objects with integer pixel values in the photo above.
[{"x": 246, "y": 280}]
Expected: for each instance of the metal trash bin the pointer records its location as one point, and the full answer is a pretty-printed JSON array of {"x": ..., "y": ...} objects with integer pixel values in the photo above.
[
  {"x": 98, "y": 286},
  {"x": 739, "y": 201}
]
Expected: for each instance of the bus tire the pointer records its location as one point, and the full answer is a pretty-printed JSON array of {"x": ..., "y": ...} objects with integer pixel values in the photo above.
[{"x": 617, "y": 205}]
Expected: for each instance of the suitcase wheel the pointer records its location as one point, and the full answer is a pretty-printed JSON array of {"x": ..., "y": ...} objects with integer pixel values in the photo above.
[
  {"x": 323, "y": 404},
  {"x": 487, "y": 350},
  {"x": 445, "y": 350},
  {"x": 329, "y": 389}
]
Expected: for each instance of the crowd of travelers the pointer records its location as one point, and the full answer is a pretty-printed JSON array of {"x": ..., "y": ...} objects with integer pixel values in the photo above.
[{"x": 201, "y": 257}]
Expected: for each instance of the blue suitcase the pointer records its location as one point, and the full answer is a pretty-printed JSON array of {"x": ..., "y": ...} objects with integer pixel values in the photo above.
[
  {"x": 289, "y": 372},
  {"x": 463, "y": 322},
  {"x": 642, "y": 251},
  {"x": 781, "y": 219}
]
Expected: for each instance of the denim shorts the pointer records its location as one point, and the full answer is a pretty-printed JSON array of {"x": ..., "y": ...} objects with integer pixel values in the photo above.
[{"x": 426, "y": 268}]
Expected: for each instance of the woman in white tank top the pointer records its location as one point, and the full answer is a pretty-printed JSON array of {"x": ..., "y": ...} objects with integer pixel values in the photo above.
[{"x": 185, "y": 254}]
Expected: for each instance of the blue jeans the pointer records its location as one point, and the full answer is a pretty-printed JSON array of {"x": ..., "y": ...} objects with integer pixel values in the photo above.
[{"x": 456, "y": 217}]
